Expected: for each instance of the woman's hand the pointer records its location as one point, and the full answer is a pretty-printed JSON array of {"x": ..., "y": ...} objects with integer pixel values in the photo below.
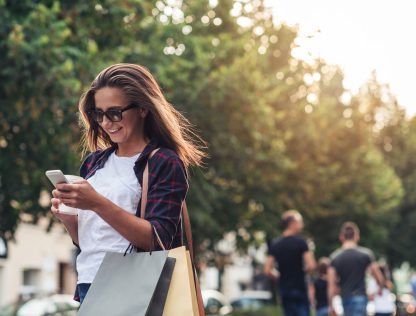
[
  {"x": 79, "y": 194},
  {"x": 64, "y": 218},
  {"x": 70, "y": 221}
]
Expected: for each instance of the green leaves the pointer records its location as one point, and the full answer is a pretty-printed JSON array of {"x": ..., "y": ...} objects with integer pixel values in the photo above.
[{"x": 278, "y": 134}]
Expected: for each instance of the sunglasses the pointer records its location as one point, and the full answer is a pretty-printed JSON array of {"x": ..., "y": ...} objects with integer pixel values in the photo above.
[{"x": 114, "y": 115}]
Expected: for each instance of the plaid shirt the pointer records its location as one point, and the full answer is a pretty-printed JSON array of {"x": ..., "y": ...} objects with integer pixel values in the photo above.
[{"x": 167, "y": 189}]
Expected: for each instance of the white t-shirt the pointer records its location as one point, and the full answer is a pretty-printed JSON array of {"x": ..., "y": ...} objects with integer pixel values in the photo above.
[
  {"x": 382, "y": 303},
  {"x": 118, "y": 183}
]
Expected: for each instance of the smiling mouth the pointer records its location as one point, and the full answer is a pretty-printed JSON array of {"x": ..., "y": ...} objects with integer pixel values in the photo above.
[{"x": 113, "y": 131}]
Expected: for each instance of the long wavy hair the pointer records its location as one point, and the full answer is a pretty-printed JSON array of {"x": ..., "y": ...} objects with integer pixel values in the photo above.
[{"x": 163, "y": 123}]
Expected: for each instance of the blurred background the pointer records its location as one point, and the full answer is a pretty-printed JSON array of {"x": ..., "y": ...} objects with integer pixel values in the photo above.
[{"x": 305, "y": 105}]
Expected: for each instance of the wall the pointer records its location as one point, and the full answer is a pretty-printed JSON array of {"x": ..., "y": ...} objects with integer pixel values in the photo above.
[{"x": 47, "y": 258}]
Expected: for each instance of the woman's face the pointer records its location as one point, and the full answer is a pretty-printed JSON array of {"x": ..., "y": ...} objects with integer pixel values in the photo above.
[{"x": 129, "y": 129}]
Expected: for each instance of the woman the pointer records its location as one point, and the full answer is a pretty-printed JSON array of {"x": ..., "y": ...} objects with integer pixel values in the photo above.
[
  {"x": 382, "y": 297},
  {"x": 319, "y": 288},
  {"x": 126, "y": 118}
]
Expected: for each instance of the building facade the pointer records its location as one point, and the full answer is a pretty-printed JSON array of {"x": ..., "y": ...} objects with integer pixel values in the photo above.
[{"x": 38, "y": 262}]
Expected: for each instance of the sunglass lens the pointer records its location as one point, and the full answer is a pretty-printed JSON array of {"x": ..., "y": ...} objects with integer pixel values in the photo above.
[
  {"x": 114, "y": 115},
  {"x": 97, "y": 116}
]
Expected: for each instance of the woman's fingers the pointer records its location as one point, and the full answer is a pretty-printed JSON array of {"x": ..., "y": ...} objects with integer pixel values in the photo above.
[
  {"x": 54, "y": 210},
  {"x": 68, "y": 186},
  {"x": 66, "y": 199},
  {"x": 65, "y": 195},
  {"x": 55, "y": 202},
  {"x": 68, "y": 202}
]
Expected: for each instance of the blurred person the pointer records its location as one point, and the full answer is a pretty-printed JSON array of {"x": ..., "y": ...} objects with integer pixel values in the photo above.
[
  {"x": 413, "y": 284},
  {"x": 382, "y": 297},
  {"x": 125, "y": 118},
  {"x": 319, "y": 288},
  {"x": 348, "y": 268},
  {"x": 294, "y": 260}
]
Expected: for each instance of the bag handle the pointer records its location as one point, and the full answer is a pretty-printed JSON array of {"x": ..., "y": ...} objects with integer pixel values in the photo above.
[
  {"x": 187, "y": 226},
  {"x": 145, "y": 189}
]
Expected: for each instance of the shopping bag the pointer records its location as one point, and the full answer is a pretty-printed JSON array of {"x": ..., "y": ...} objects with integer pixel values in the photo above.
[
  {"x": 181, "y": 299},
  {"x": 184, "y": 295},
  {"x": 132, "y": 284}
]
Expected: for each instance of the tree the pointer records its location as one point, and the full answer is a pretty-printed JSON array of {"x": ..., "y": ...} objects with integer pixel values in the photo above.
[
  {"x": 49, "y": 51},
  {"x": 396, "y": 139},
  {"x": 278, "y": 135}
]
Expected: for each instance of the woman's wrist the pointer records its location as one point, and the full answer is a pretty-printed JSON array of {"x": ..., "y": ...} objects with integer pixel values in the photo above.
[
  {"x": 69, "y": 221},
  {"x": 101, "y": 203}
]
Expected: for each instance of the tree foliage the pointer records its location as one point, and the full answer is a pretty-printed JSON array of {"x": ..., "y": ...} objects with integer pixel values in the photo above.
[{"x": 280, "y": 134}]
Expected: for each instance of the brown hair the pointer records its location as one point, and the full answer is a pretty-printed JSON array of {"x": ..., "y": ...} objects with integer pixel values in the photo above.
[
  {"x": 163, "y": 123},
  {"x": 288, "y": 217},
  {"x": 323, "y": 266},
  {"x": 349, "y": 231}
]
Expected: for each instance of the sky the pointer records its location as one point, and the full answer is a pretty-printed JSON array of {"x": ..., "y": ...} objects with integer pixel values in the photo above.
[{"x": 360, "y": 36}]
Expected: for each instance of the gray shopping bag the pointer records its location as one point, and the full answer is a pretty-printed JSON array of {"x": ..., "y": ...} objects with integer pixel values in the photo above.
[{"x": 126, "y": 285}]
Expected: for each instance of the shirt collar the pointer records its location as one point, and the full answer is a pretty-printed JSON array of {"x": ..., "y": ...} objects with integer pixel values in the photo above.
[
  {"x": 152, "y": 145},
  {"x": 138, "y": 165}
]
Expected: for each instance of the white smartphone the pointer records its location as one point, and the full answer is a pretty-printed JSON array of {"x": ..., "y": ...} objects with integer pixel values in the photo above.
[{"x": 56, "y": 176}]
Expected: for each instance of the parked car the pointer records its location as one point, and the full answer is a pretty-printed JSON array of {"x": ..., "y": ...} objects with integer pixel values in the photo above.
[
  {"x": 253, "y": 300},
  {"x": 215, "y": 303},
  {"x": 62, "y": 305}
]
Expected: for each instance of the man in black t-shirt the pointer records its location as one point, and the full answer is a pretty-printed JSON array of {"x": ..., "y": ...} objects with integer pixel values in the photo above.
[
  {"x": 294, "y": 259},
  {"x": 349, "y": 265}
]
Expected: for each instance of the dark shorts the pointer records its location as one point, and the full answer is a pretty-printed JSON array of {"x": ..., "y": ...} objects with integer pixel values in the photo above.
[{"x": 82, "y": 290}]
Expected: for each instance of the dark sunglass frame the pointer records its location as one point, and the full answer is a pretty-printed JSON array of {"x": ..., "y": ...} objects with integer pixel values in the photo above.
[{"x": 98, "y": 115}]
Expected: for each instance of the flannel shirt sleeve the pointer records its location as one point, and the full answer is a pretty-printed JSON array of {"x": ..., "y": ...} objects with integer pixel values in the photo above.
[{"x": 165, "y": 196}]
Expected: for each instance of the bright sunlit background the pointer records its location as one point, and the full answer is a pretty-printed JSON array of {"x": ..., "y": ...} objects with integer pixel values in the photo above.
[{"x": 360, "y": 36}]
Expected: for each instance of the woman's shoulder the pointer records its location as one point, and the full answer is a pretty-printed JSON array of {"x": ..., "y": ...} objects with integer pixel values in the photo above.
[
  {"x": 166, "y": 155},
  {"x": 165, "y": 158}
]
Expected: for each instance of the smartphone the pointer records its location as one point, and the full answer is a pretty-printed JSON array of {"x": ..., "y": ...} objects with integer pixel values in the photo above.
[{"x": 56, "y": 176}]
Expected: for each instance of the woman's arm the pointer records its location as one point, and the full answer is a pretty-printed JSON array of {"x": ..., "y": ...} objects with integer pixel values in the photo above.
[
  {"x": 166, "y": 194},
  {"x": 70, "y": 221},
  {"x": 82, "y": 195},
  {"x": 168, "y": 186},
  {"x": 136, "y": 230},
  {"x": 71, "y": 226}
]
